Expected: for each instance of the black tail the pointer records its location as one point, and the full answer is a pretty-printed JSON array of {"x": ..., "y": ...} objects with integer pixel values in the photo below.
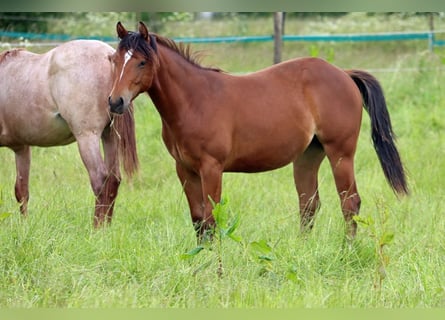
[{"x": 381, "y": 129}]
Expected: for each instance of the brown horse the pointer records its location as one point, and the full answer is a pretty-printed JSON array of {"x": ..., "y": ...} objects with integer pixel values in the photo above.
[
  {"x": 298, "y": 111},
  {"x": 57, "y": 98}
]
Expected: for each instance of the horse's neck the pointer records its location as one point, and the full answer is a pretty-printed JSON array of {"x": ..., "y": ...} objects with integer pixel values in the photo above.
[{"x": 176, "y": 85}]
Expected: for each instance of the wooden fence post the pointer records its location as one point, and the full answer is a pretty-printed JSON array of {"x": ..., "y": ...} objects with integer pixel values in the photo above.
[
  {"x": 278, "y": 36},
  {"x": 431, "y": 35}
]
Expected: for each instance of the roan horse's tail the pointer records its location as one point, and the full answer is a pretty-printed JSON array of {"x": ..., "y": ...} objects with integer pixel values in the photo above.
[
  {"x": 124, "y": 127},
  {"x": 381, "y": 129}
]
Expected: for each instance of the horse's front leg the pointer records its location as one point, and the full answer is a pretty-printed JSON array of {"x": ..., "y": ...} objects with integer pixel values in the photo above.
[
  {"x": 191, "y": 184},
  {"x": 23, "y": 163},
  {"x": 198, "y": 188},
  {"x": 211, "y": 180},
  {"x": 89, "y": 148},
  {"x": 108, "y": 195}
]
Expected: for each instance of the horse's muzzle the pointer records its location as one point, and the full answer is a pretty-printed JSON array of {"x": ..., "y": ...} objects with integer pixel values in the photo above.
[{"x": 116, "y": 106}]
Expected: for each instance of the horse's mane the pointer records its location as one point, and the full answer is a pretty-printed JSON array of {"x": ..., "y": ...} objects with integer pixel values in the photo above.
[
  {"x": 184, "y": 50},
  {"x": 11, "y": 53},
  {"x": 135, "y": 41}
]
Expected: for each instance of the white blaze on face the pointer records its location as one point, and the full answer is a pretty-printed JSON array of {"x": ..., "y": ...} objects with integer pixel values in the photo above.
[{"x": 127, "y": 58}]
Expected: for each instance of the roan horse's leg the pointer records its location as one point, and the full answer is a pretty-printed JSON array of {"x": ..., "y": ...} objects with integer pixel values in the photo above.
[
  {"x": 109, "y": 194},
  {"x": 306, "y": 181},
  {"x": 103, "y": 182},
  {"x": 22, "y": 162}
]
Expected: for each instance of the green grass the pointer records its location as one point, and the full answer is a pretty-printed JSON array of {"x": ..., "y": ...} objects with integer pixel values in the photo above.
[{"x": 54, "y": 258}]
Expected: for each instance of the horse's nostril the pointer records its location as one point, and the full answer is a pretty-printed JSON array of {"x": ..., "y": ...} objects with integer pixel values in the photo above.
[{"x": 117, "y": 105}]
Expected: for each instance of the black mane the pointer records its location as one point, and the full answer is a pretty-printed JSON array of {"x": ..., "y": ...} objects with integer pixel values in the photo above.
[{"x": 135, "y": 41}]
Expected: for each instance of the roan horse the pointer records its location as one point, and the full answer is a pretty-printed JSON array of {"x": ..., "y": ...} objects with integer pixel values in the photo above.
[
  {"x": 297, "y": 111},
  {"x": 59, "y": 97}
]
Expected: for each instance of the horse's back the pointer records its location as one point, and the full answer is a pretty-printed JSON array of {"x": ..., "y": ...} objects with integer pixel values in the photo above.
[
  {"x": 322, "y": 91},
  {"x": 81, "y": 54},
  {"x": 87, "y": 62},
  {"x": 284, "y": 106},
  {"x": 82, "y": 71}
]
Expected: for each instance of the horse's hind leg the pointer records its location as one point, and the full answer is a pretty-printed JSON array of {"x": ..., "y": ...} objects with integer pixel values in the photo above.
[
  {"x": 342, "y": 164},
  {"x": 306, "y": 181},
  {"x": 22, "y": 162}
]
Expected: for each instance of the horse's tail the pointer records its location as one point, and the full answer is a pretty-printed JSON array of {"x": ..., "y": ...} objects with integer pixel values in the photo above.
[
  {"x": 124, "y": 127},
  {"x": 381, "y": 130}
]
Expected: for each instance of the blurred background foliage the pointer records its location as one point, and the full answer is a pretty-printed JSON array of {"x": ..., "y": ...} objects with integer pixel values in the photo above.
[{"x": 98, "y": 23}]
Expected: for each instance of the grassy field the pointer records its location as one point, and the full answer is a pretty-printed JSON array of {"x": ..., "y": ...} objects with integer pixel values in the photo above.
[{"x": 54, "y": 258}]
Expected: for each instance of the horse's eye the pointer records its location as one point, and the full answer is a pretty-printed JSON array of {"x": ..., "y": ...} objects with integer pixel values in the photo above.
[{"x": 142, "y": 63}]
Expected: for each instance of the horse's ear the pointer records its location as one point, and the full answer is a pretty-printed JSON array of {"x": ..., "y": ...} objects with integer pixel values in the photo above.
[
  {"x": 121, "y": 31},
  {"x": 143, "y": 30}
]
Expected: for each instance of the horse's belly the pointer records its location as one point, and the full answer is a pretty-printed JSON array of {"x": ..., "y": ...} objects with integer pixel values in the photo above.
[
  {"x": 251, "y": 166},
  {"x": 264, "y": 158},
  {"x": 56, "y": 133},
  {"x": 42, "y": 132}
]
